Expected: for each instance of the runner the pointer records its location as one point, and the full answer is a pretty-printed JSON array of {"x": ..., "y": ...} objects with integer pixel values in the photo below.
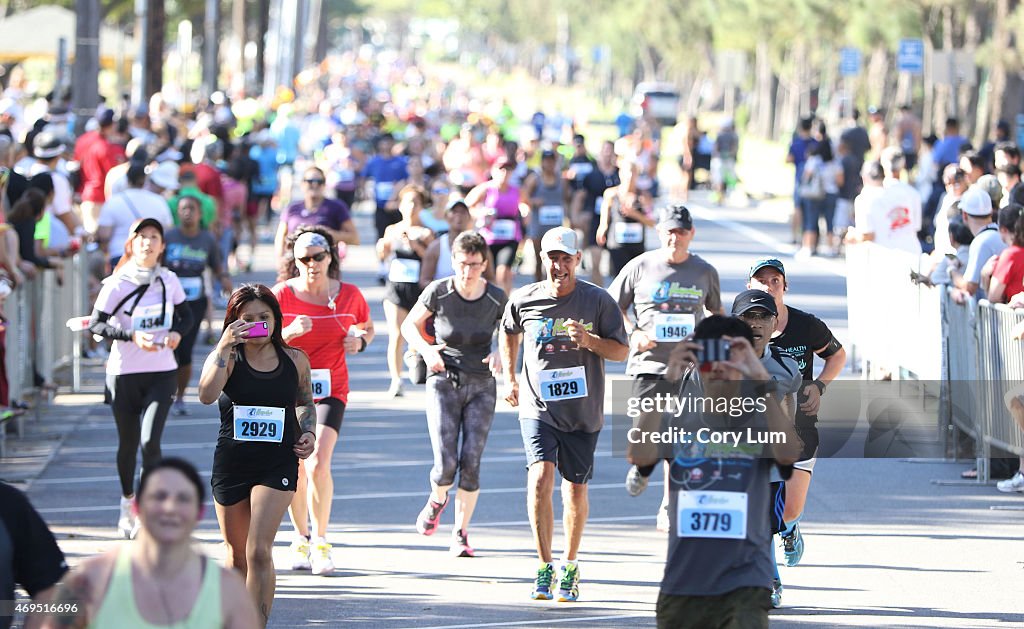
[
  {"x": 316, "y": 209},
  {"x": 548, "y": 195},
  {"x": 461, "y": 390},
  {"x": 588, "y": 201},
  {"x": 141, "y": 308},
  {"x": 160, "y": 580},
  {"x": 437, "y": 261},
  {"x": 718, "y": 562},
  {"x": 498, "y": 209},
  {"x": 670, "y": 291},
  {"x": 800, "y": 336},
  {"x": 623, "y": 219},
  {"x": 573, "y": 327},
  {"x": 255, "y": 465},
  {"x": 402, "y": 248},
  {"x": 388, "y": 173},
  {"x": 190, "y": 251},
  {"x": 327, "y": 319}
]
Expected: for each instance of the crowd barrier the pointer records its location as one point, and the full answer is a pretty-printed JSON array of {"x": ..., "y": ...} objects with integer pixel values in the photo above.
[
  {"x": 38, "y": 340},
  {"x": 913, "y": 331}
]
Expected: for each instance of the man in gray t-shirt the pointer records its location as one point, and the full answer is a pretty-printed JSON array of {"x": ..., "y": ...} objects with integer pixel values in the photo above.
[
  {"x": 662, "y": 294},
  {"x": 568, "y": 329}
]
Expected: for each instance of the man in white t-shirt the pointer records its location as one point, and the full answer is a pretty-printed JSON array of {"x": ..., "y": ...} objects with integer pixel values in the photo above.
[
  {"x": 123, "y": 209},
  {"x": 893, "y": 218}
]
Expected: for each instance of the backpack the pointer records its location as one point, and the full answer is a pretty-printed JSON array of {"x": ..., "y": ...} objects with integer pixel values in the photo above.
[{"x": 813, "y": 188}]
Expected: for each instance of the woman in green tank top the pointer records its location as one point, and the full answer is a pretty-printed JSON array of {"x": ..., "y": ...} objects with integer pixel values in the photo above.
[{"x": 158, "y": 581}]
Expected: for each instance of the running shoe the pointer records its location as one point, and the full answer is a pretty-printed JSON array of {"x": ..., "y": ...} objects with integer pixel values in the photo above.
[
  {"x": 776, "y": 596},
  {"x": 636, "y": 483},
  {"x": 542, "y": 586},
  {"x": 569, "y": 585},
  {"x": 125, "y": 522},
  {"x": 460, "y": 545},
  {"x": 179, "y": 409},
  {"x": 320, "y": 559},
  {"x": 1010, "y": 485},
  {"x": 299, "y": 551},
  {"x": 663, "y": 523},
  {"x": 427, "y": 521},
  {"x": 395, "y": 390},
  {"x": 793, "y": 546}
]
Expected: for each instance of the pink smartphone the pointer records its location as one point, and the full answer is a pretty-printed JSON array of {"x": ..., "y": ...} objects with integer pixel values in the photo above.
[{"x": 260, "y": 328}]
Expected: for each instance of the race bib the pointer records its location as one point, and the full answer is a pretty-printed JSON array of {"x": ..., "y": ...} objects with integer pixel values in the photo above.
[
  {"x": 712, "y": 514},
  {"x": 598, "y": 204},
  {"x": 193, "y": 287},
  {"x": 550, "y": 215},
  {"x": 629, "y": 233},
  {"x": 562, "y": 384},
  {"x": 504, "y": 229},
  {"x": 671, "y": 328},
  {"x": 321, "y": 383},
  {"x": 404, "y": 271},
  {"x": 259, "y": 423},
  {"x": 148, "y": 319},
  {"x": 382, "y": 190},
  {"x": 346, "y": 175}
]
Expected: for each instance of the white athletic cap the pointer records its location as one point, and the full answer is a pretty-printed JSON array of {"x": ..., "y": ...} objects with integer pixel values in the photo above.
[
  {"x": 976, "y": 202},
  {"x": 560, "y": 239}
]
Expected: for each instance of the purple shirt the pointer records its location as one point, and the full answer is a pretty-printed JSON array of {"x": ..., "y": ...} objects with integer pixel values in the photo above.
[
  {"x": 125, "y": 356},
  {"x": 330, "y": 214}
]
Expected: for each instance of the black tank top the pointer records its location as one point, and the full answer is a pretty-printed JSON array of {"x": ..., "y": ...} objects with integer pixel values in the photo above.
[{"x": 248, "y": 387}]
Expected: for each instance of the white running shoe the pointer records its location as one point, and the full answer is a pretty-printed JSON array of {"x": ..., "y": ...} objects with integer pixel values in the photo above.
[
  {"x": 299, "y": 551},
  {"x": 320, "y": 559},
  {"x": 663, "y": 523},
  {"x": 635, "y": 482},
  {"x": 1010, "y": 485},
  {"x": 126, "y": 524}
]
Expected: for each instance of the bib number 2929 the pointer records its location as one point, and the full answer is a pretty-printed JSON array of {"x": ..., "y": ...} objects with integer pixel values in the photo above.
[{"x": 259, "y": 423}]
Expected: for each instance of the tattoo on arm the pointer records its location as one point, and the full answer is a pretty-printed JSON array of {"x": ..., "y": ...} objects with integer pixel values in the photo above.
[
  {"x": 305, "y": 409},
  {"x": 72, "y": 592}
]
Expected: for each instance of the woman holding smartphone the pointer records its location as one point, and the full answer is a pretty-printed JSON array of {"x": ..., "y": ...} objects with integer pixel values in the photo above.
[
  {"x": 328, "y": 319},
  {"x": 141, "y": 308},
  {"x": 267, "y": 420}
]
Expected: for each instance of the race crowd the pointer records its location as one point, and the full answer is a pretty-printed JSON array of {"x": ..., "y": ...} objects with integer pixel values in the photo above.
[{"x": 168, "y": 205}]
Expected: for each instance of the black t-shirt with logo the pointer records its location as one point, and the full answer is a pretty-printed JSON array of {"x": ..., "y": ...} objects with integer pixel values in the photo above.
[{"x": 804, "y": 335}]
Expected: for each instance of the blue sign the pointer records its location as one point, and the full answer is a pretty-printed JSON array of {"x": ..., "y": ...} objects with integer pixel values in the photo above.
[
  {"x": 910, "y": 57},
  {"x": 849, "y": 61}
]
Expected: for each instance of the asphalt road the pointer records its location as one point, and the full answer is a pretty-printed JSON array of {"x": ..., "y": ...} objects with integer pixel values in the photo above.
[{"x": 885, "y": 545}]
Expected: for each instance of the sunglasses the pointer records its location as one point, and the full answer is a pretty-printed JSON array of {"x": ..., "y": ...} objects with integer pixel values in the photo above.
[
  {"x": 441, "y": 190},
  {"x": 316, "y": 257},
  {"x": 314, "y": 182}
]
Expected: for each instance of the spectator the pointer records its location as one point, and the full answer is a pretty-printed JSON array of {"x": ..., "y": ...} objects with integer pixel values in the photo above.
[
  {"x": 1009, "y": 179},
  {"x": 908, "y": 134},
  {"x": 973, "y": 164},
  {"x": 97, "y": 155},
  {"x": 893, "y": 217},
  {"x": 877, "y": 131},
  {"x": 976, "y": 209},
  {"x": 960, "y": 238},
  {"x": 955, "y": 182},
  {"x": 856, "y": 136},
  {"x": 1007, "y": 272},
  {"x": 799, "y": 150},
  {"x": 820, "y": 190},
  {"x": 29, "y": 556},
  {"x": 23, "y": 217}
]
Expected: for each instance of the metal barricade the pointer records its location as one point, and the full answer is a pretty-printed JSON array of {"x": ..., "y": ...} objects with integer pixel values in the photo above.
[
  {"x": 38, "y": 340},
  {"x": 959, "y": 325},
  {"x": 1000, "y": 370}
]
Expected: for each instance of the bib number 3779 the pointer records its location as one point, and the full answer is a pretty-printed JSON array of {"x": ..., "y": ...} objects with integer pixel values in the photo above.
[
  {"x": 712, "y": 514},
  {"x": 562, "y": 384},
  {"x": 259, "y": 423}
]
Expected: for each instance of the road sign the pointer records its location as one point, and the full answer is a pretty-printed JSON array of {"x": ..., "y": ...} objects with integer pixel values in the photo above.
[
  {"x": 849, "y": 61},
  {"x": 910, "y": 57}
]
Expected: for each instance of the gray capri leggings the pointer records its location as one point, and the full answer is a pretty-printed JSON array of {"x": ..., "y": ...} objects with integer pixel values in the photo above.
[{"x": 469, "y": 408}]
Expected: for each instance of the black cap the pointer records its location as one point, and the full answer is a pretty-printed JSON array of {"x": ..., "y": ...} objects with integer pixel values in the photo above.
[
  {"x": 138, "y": 225},
  {"x": 546, "y": 153},
  {"x": 675, "y": 217},
  {"x": 753, "y": 298}
]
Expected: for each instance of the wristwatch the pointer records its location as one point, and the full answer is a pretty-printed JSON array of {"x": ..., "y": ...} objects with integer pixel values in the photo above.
[
  {"x": 821, "y": 387},
  {"x": 362, "y": 348}
]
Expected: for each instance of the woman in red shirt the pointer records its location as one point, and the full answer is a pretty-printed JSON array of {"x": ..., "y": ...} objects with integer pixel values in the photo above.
[
  {"x": 1008, "y": 275},
  {"x": 327, "y": 319}
]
